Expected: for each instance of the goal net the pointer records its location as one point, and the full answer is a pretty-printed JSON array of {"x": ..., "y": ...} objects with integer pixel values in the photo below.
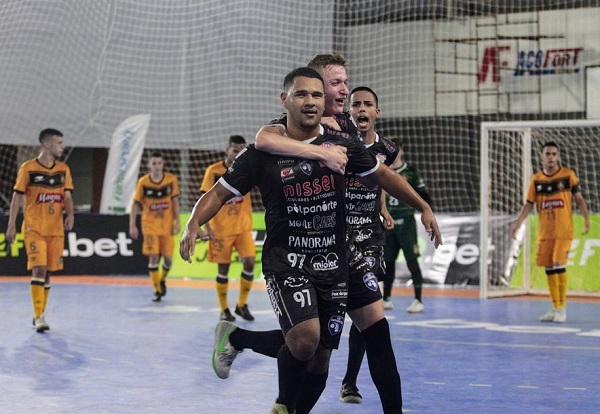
[{"x": 510, "y": 154}]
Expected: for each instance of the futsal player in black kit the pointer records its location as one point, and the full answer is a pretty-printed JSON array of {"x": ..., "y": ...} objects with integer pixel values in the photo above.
[{"x": 304, "y": 256}]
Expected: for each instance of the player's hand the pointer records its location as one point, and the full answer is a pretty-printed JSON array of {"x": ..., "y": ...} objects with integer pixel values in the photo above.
[
  {"x": 388, "y": 221},
  {"x": 133, "y": 232},
  {"x": 336, "y": 159},
  {"x": 586, "y": 227},
  {"x": 69, "y": 222},
  {"x": 331, "y": 123},
  {"x": 187, "y": 245},
  {"x": 432, "y": 228},
  {"x": 11, "y": 232},
  {"x": 514, "y": 231},
  {"x": 176, "y": 226}
]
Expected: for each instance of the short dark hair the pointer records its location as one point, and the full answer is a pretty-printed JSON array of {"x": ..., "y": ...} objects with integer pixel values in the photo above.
[
  {"x": 49, "y": 133},
  {"x": 320, "y": 62},
  {"x": 366, "y": 89},
  {"x": 156, "y": 154},
  {"x": 304, "y": 71},
  {"x": 236, "y": 139},
  {"x": 550, "y": 144}
]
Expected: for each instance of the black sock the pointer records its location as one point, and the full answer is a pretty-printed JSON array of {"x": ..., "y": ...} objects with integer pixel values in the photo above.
[
  {"x": 388, "y": 281},
  {"x": 356, "y": 353},
  {"x": 417, "y": 278},
  {"x": 291, "y": 373},
  {"x": 263, "y": 342},
  {"x": 310, "y": 391},
  {"x": 382, "y": 365}
]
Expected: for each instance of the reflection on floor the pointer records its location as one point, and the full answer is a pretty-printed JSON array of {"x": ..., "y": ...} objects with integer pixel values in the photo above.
[{"x": 112, "y": 350}]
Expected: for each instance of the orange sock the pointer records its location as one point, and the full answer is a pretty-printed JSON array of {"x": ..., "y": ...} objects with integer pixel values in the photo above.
[
  {"x": 37, "y": 297},
  {"x": 562, "y": 289},
  {"x": 553, "y": 288},
  {"x": 246, "y": 280},
  {"x": 222, "y": 286}
]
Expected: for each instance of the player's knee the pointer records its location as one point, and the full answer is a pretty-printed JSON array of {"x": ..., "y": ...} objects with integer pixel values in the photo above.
[{"x": 303, "y": 342}]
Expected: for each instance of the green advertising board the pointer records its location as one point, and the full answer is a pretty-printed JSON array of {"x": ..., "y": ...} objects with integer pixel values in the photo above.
[
  {"x": 201, "y": 268},
  {"x": 584, "y": 259}
]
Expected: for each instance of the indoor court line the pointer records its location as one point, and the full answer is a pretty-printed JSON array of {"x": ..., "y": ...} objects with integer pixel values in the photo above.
[{"x": 112, "y": 350}]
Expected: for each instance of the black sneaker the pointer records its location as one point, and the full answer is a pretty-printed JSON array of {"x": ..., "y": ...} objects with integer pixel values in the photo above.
[
  {"x": 163, "y": 287},
  {"x": 244, "y": 312},
  {"x": 157, "y": 297},
  {"x": 349, "y": 394},
  {"x": 227, "y": 316}
]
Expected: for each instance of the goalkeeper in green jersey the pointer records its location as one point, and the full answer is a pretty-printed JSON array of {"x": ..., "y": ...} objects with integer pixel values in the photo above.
[{"x": 401, "y": 233}]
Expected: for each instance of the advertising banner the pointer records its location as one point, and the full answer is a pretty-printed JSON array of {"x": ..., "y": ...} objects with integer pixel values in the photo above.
[
  {"x": 98, "y": 245},
  {"x": 123, "y": 164}
]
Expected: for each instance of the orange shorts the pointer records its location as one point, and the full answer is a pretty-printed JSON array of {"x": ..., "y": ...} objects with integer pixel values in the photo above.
[
  {"x": 158, "y": 245},
  {"x": 220, "y": 249},
  {"x": 552, "y": 252},
  {"x": 44, "y": 251}
]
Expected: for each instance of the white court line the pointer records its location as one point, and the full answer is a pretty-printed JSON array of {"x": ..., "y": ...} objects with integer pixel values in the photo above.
[{"x": 499, "y": 345}]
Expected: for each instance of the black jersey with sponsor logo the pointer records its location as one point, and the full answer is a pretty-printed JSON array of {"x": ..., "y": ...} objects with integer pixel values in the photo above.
[
  {"x": 363, "y": 204},
  {"x": 304, "y": 206}
]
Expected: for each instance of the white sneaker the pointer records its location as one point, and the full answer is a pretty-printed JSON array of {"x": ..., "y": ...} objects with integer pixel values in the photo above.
[
  {"x": 548, "y": 316},
  {"x": 40, "y": 324},
  {"x": 388, "y": 305},
  {"x": 416, "y": 307},
  {"x": 560, "y": 315}
]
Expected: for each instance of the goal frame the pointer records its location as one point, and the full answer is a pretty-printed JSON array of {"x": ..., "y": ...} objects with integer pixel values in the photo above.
[{"x": 484, "y": 211}]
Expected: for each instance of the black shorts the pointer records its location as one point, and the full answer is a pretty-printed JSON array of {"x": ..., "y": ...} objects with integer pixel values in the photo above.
[
  {"x": 363, "y": 288},
  {"x": 296, "y": 298},
  {"x": 374, "y": 256}
]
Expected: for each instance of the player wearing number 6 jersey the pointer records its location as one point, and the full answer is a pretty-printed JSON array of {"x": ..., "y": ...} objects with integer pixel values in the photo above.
[
  {"x": 44, "y": 184},
  {"x": 552, "y": 191}
]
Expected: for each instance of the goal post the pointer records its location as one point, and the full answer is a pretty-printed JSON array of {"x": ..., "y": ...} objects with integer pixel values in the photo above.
[{"x": 509, "y": 155}]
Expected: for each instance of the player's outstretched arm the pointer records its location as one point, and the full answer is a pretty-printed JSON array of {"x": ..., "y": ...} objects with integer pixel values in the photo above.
[
  {"x": 206, "y": 207},
  {"x": 399, "y": 188},
  {"x": 273, "y": 139}
]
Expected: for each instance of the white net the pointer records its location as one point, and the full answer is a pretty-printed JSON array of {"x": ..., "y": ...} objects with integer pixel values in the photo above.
[
  {"x": 511, "y": 154},
  {"x": 208, "y": 69}
]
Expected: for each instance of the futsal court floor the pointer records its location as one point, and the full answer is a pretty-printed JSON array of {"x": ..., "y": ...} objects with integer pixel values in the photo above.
[{"x": 112, "y": 350}]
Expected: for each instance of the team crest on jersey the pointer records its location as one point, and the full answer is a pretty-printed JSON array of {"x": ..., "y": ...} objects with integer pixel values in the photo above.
[
  {"x": 381, "y": 158},
  {"x": 335, "y": 325},
  {"x": 287, "y": 174},
  {"x": 370, "y": 281},
  {"x": 370, "y": 260},
  {"x": 306, "y": 167}
]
